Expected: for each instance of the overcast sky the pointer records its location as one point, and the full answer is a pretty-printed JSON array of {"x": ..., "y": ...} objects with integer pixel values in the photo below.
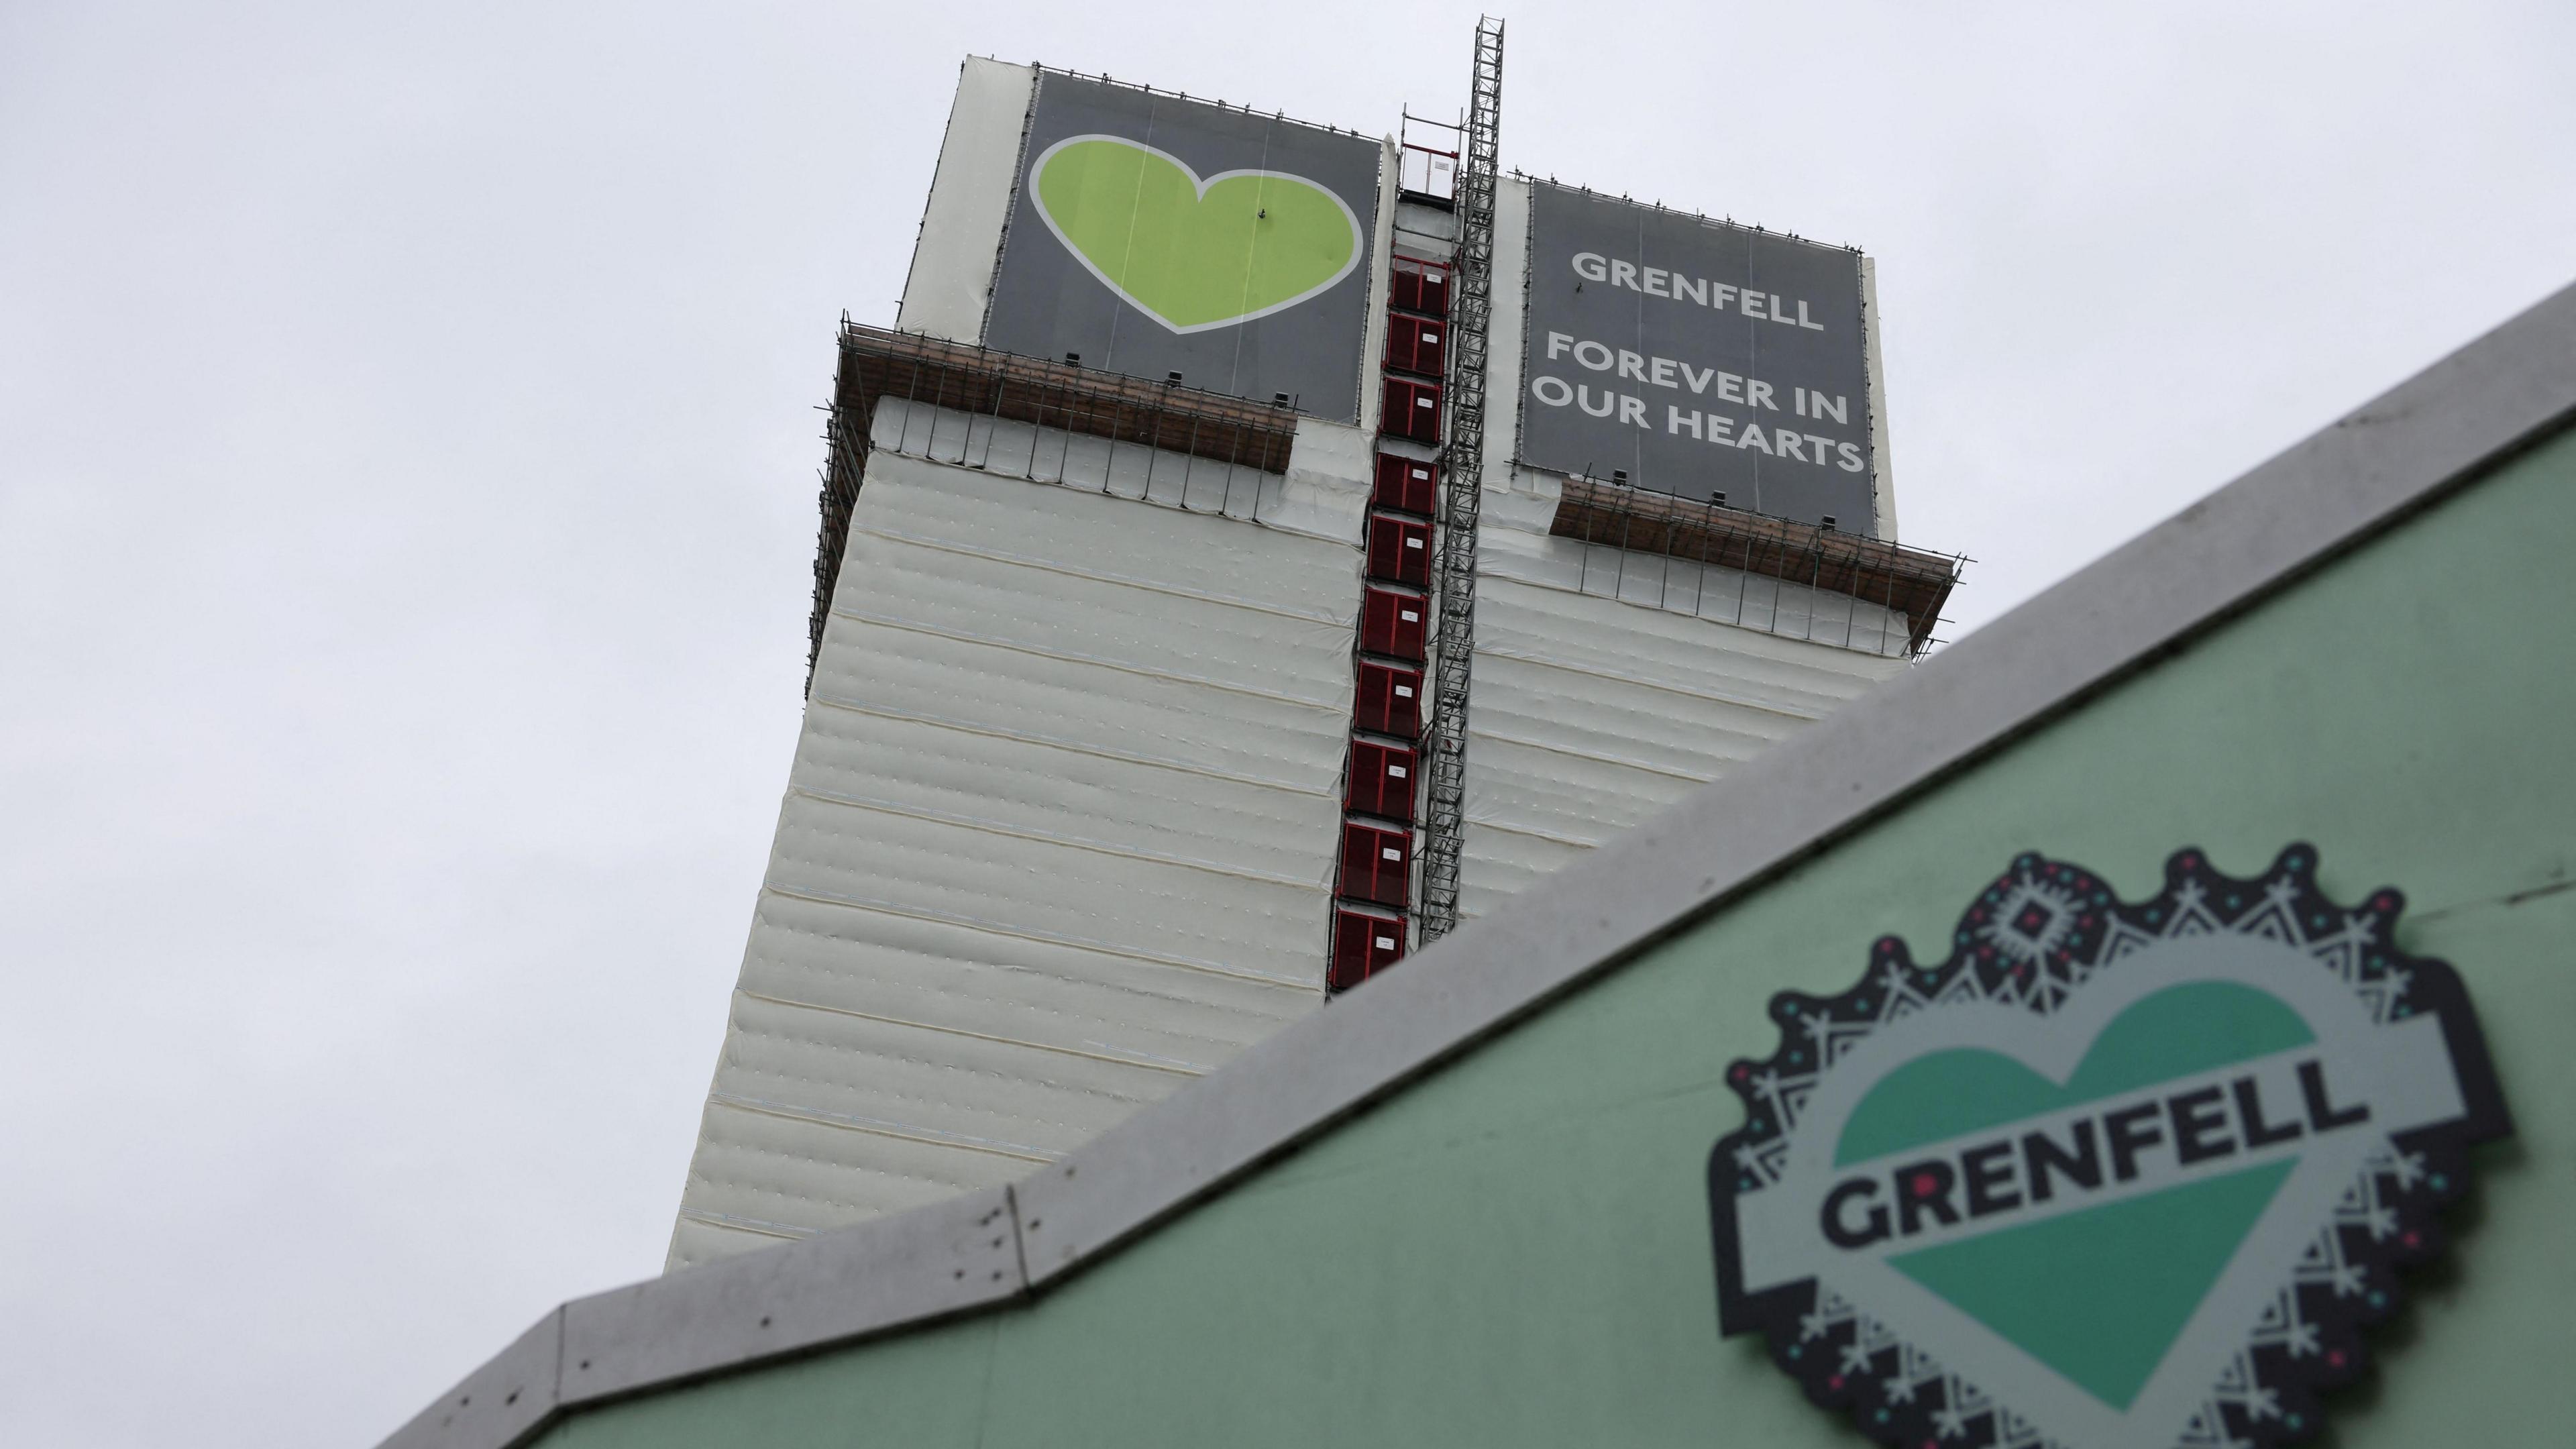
[{"x": 407, "y": 451}]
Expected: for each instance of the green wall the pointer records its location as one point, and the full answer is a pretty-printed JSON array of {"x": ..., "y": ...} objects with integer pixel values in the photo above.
[{"x": 1515, "y": 1251}]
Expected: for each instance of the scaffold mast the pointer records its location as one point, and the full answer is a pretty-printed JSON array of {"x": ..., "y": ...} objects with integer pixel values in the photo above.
[{"x": 1463, "y": 469}]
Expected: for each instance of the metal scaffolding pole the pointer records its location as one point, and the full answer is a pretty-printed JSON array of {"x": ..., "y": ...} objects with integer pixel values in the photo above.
[{"x": 1463, "y": 485}]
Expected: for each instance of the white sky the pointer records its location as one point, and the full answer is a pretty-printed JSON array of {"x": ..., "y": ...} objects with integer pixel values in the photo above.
[{"x": 407, "y": 458}]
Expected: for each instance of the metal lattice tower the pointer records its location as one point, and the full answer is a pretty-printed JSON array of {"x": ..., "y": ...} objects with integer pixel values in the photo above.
[{"x": 1463, "y": 477}]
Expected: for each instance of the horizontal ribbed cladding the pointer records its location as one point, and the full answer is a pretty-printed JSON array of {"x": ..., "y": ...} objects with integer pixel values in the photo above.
[{"x": 1064, "y": 807}]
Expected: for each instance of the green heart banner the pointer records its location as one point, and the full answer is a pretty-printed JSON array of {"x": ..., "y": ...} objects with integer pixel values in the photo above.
[
  {"x": 1193, "y": 254},
  {"x": 2113, "y": 1175}
]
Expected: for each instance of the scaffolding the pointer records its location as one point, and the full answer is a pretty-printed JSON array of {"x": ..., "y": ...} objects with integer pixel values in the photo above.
[
  {"x": 1704, "y": 559},
  {"x": 1463, "y": 470},
  {"x": 1029, "y": 417}
]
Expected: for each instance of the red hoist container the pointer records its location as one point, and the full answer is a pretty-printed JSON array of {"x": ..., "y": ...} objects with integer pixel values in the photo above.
[
  {"x": 1420, "y": 286},
  {"x": 1407, "y": 485},
  {"x": 1364, "y": 943},
  {"x": 1416, "y": 344},
  {"x": 1381, "y": 780},
  {"x": 1411, "y": 410},
  {"x": 1392, "y": 623},
  {"x": 1389, "y": 700},
  {"x": 1399, "y": 549},
  {"x": 1377, "y": 863}
]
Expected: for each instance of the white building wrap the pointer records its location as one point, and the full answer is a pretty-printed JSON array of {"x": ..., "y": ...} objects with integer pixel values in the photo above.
[
  {"x": 970, "y": 197},
  {"x": 1064, "y": 821},
  {"x": 1591, "y": 713},
  {"x": 1058, "y": 836}
]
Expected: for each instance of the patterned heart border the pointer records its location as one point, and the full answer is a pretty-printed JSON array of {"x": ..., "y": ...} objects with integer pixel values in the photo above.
[{"x": 2041, "y": 930}]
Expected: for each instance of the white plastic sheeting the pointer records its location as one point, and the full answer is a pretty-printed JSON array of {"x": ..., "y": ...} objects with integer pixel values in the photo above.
[
  {"x": 970, "y": 202},
  {"x": 1324, "y": 492},
  {"x": 1884, "y": 483},
  {"x": 1059, "y": 835},
  {"x": 1591, "y": 713},
  {"x": 1504, "y": 325}
]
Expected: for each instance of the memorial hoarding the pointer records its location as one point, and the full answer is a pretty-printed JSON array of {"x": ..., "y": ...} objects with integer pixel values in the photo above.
[
  {"x": 1152, "y": 235},
  {"x": 1698, "y": 358},
  {"x": 2111, "y": 1175}
]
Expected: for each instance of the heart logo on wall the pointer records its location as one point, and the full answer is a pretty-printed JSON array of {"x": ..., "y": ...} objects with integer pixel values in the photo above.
[
  {"x": 1192, "y": 254},
  {"x": 2112, "y": 1176},
  {"x": 2040, "y": 1286}
]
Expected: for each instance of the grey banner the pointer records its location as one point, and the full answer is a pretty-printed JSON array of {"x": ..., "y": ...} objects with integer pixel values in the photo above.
[
  {"x": 1696, "y": 356},
  {"x": 1049, "y": 299}
]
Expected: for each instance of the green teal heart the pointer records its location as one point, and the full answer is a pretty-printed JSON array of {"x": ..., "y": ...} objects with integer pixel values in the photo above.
[
  {"x": 2099, "y": 1294},
  {"x": 1193, "y": 254}
]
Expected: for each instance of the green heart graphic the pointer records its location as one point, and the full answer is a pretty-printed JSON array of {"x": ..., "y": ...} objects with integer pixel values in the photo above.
[
  {"x": 1193, "y": 254},
  {"x": 2099, "y": 1294}
]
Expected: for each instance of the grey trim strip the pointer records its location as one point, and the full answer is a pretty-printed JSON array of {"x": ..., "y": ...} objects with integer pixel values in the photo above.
[
  {"x": 768, "y": 1304},
  {"x": 2399, "y": 453},
  {"x": 911, "y": 1268},
  {"x": 504, "y": 1402}
]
